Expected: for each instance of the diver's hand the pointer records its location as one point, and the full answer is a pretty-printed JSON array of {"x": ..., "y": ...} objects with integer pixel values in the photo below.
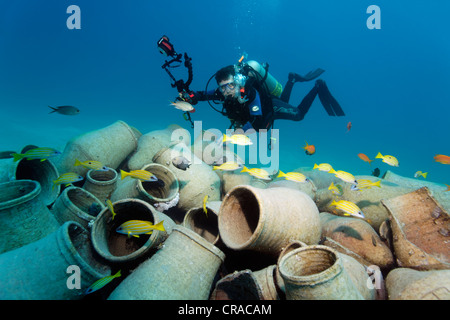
[{"x": 188, "y": 97}]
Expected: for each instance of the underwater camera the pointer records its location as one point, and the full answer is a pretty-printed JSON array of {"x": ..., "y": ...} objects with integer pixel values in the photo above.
[{"x": 165, "y": 47}]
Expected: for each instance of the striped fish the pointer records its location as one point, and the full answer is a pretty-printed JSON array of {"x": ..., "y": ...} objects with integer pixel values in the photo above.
[
  {"x": 100, "y": 283},
  {"x": 326, "y": 167},
  {"x": 36, "y": 153},
  {"x": 67, "y": 178},
  {"x": 91, "y": 164},
  {"x": 365, "y": 184},
  {"x": 293, "y": 176},
  {"x": 257, "y": 173},
  {"x": 344, "y": 176},
  {"x": 110, "y": 206},
  {"x": 139, "y": 174},
  {"x": 390, "y": 160},
  {"x": 136, "y": 227},
  {"x": 228, "y": 166},
  {"x": 349, "y": 208}
]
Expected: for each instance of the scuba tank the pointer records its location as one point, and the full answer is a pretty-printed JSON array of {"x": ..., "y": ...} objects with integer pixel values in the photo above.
[{"x": 275, "y": 88}]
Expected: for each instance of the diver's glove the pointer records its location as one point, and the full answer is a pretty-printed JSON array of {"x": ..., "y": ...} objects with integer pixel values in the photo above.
[{"x": 189, "y": 97}]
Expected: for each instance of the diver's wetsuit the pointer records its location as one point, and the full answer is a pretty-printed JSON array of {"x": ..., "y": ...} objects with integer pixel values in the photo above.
[{"x": 261, "y": 109}]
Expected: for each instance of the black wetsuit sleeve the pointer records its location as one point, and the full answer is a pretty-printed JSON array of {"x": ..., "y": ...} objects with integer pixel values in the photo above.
[{"x": 209, "y": 95}]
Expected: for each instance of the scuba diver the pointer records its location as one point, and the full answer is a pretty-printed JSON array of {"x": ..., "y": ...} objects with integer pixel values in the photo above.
[
  {"x": 253, "y": 99},
  {"x": 250, "y": 96}
]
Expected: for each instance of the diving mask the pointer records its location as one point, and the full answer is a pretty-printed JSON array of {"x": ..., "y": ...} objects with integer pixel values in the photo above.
[{"x": 229, "y": 86}]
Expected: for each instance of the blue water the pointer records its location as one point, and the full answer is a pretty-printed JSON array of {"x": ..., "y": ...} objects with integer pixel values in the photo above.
[{"x": 393, "y": 83}]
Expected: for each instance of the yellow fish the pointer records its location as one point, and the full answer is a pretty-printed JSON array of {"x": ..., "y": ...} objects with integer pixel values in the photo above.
[
  {"x": 136, "y": 227},
  {"x": 390, "y": 160},
  {"x": 91, "y": 164},
  {"x": 293, "y": 176},
  {"x": 228, "y": 166},
  {"x": 100, "y": 283},
  {"x": 420, "y": 173},
  {"x": 36, "y": 153},
  {"x": 344, "y": 176},
  {"x": 110, "y": 206},
  {"x": 335, "y": 189},
  {"x": 365, "y": 184},
  {"x": 67, "y": 179},
  {"x": 349, "y": 208},
  {"x": 323, "y": 167},
  {"x": 257, "y": 173},
  {"x": 239, "y": 139},
  {"x": 205, "y": 200},
  {"x": 139, "y": 174}
]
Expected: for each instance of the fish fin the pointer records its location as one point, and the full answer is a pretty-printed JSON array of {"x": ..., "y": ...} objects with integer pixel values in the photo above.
[
  {"x": 123, "y": 174},
  {"x": 17, "y": 156},
  {"x": 315, "y": 166},
  {"x": 332, "y": 171},
  {"x": 215, "y": 167},
  {"x": 424, "y": 174},
  {"x": 77, "y": 162},
  {"x": 53, "y": 109},
  {"x": 42, "y": 160},
  {"x": 281, "y": 174},
  {"x": 159, "y": 226},
  {"x": 118, "y": 274},
  {"x": 379, "y": 156},
  {"x": 244, "y": 169}
]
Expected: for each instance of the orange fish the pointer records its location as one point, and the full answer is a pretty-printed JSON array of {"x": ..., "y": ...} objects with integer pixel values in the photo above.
[
  {"x": 442, "y": 159},
  {"x": 310, "y": 149},
  {"x": 349, "y": 126},
  {"x": 365, "y": 158},
  {"x": 448, "y": 187}
]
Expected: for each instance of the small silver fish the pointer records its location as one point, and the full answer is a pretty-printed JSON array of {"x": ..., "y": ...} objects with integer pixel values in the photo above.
[
  {"x": 183, "y": 106},
  {"x": 181, "y": 163},
  {"x": 66, "y": 110}
]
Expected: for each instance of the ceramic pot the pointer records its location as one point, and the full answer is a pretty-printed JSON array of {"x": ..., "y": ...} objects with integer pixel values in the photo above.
[
  {"x": 368, "y": 200},
  {"x": 119, "y": 248},
  {"x": 183, "y": 269},
  {"x": 76, "y": 204},
  {"x": 267, "y": 220},
  {"x": 206, "y": 225},
  {"x": 196, "y": 182},
  {"x": 24, "y": 218},
  {"x": 420, "y": 230},
  {"x": 151, "y": 143},
  {"x": 319, "y": 273},
  {"x": 101, "y": 183},
  {"x": 45, "y": 269},
  {"x": 110, "y": 145},
  {"x": 163, "y": 191},
  {"x": 359, "y": 238},
  {"x": 410, "y": 284}
]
